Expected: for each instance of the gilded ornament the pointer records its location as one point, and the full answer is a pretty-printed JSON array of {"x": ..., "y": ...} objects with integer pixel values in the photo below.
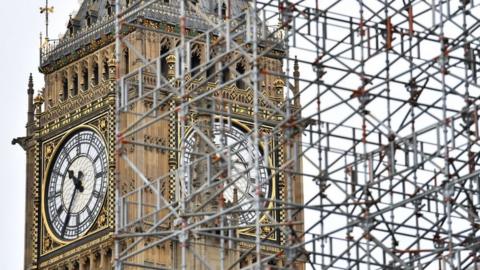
[
  {"x": 47, "y": 243},
  {"x": 49, "y": 151},
  {"x": 171, "y": 59},
  {"x": 103, "y": 124},
  {"x": 102, "y": 219},
  {"x": 170, "y": 28}
]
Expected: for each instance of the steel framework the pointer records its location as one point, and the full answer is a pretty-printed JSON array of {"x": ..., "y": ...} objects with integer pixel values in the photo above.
[{"x": 380, "y": 109}]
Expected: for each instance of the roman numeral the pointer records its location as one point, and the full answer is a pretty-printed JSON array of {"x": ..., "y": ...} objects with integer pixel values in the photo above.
[
  {"x": 73, "y": 221},
  {"x": 78, "y": 144},
  {"x": 90, "y": 142},
  {"x": 67, "y": 156},
  {"x": 96, "y": 194},
  {"x": 96, "y": 158},
  {"x": 99, "y": 174},
  {"x": 59, "y": 210}
]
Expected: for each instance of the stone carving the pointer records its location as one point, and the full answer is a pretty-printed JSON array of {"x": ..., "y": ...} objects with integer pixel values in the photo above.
[{"x": 82, "y": 99}]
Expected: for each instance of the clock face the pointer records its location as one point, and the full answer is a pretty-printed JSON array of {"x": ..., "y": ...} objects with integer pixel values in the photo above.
[
  {"x": 242, "y": 177},
  {"x": 76, "y": 185}
]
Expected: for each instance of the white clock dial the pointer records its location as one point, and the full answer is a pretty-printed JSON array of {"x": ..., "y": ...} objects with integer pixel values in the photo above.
[
  {"x": 76, "y": 185},
  {"x": 242, "y": 177}
]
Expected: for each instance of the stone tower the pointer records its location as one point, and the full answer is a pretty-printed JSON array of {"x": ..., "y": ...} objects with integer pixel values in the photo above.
[{"x": 77, "y": 158}]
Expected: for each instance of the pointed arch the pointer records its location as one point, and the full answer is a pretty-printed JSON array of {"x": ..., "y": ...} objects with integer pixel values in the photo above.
[
  {"x": 164, "y": 49},
  {"x": 64, "y": 87},
  {"x": 195, "y": 59},
  {"x": 106, "y": 73},
  {"x": 240, "y": 69},
  {"x": 126, "y": 61},
  {"x": 84, "y": 74}
]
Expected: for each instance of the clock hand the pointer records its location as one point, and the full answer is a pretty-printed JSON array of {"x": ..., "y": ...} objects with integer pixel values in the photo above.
[
  {"x": 79, "y": 181},
  {"x": 71, "y": 175},
  {"x": 76, "y": 180},
  {"x": 78, "y": 185},
  {"x": 67, "y": 218}
]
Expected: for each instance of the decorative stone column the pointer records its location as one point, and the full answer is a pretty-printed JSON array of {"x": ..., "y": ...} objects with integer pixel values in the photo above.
[
  {"x": 112, "y": 71},
  {"x": 112, "y": 259},
  {"x": 103, "y": 258},
  {"x": 278, "y": 84},
  {"x": 171, "y": 59},
  {"x": 296, "y": 88},
  {"x": 37, "y": 103},
  {"x": 71, "y": 265},
  {"x": 93, "y": 259},
  {"x": 69, "y": 82},
  {"x": 82, "y": 261}
]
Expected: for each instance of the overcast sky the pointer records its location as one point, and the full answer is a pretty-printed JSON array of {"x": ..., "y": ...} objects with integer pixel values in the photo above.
[{"x": 21, "y": 24}]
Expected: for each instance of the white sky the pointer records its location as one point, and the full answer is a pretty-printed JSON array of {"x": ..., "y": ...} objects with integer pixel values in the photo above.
[{"x": 20, "y": 26}]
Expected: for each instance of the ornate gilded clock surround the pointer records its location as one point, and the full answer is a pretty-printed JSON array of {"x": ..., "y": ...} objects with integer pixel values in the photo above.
[
  {"x": 99, "y": 124},
  {"x": 50, "y": 158},
  {"x": 99, "y": 115},
  {"x": 243, "y": 98}
]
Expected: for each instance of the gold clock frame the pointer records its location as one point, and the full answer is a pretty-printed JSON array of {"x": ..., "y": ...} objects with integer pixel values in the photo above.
[{"x": 64, "y": 137}]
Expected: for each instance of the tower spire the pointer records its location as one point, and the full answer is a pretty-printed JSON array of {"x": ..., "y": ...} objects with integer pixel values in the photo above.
[
  {"x": 296, "y": 89},
  {"x": 30, "y": 93}
]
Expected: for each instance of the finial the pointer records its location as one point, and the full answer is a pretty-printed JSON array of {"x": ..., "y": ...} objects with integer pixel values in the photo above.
[
  {"x": 38, "y": 99},
  {"x": 30, "y": 83},
  {"x": 31, "y": 107},
  {"x": 38, "y": 102},
  {"x": 279, "y": 83},
  {"x": 111, "y": 64},
  {"x": 171, "y": 59},
  {"x": 47, "y": 10}
]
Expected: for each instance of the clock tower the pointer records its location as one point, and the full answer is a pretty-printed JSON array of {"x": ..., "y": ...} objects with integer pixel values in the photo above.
[{"x": 149, "y": 162}]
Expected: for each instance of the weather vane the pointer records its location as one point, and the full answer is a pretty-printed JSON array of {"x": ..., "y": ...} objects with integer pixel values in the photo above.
[{"x": 47, "y": 10}]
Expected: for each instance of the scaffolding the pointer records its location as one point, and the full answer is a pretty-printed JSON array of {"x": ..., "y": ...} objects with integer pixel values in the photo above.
[{"x": 376, "y": 114}]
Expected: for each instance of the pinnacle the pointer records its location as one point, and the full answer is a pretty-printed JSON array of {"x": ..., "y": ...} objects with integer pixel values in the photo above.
[{"x": 30, "y": 84}]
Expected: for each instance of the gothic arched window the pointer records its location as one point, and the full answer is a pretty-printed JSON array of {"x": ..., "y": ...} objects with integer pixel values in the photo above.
[
  {"x": 95, "y": 74},
  {"x": 64, "y": 88},
  {"x": 106, "y": 74},
  {"x": 85, "y": 78},
  {"x": 126, "y": 58},
  {"x": 211, "y": 73},
  {"x": 225, "y": 74},
  {"x": 163, "y": 61},
  {"x": 88, "y": 18},
  {"x": 70, "y": 30},
  {"x": 109, "y": 8},
  {"x": 194, "y": 63},
  {"x": 240, "y": 83},
  {"x": 75, "y": 84},
  {"x": 224, "y": 11}
]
